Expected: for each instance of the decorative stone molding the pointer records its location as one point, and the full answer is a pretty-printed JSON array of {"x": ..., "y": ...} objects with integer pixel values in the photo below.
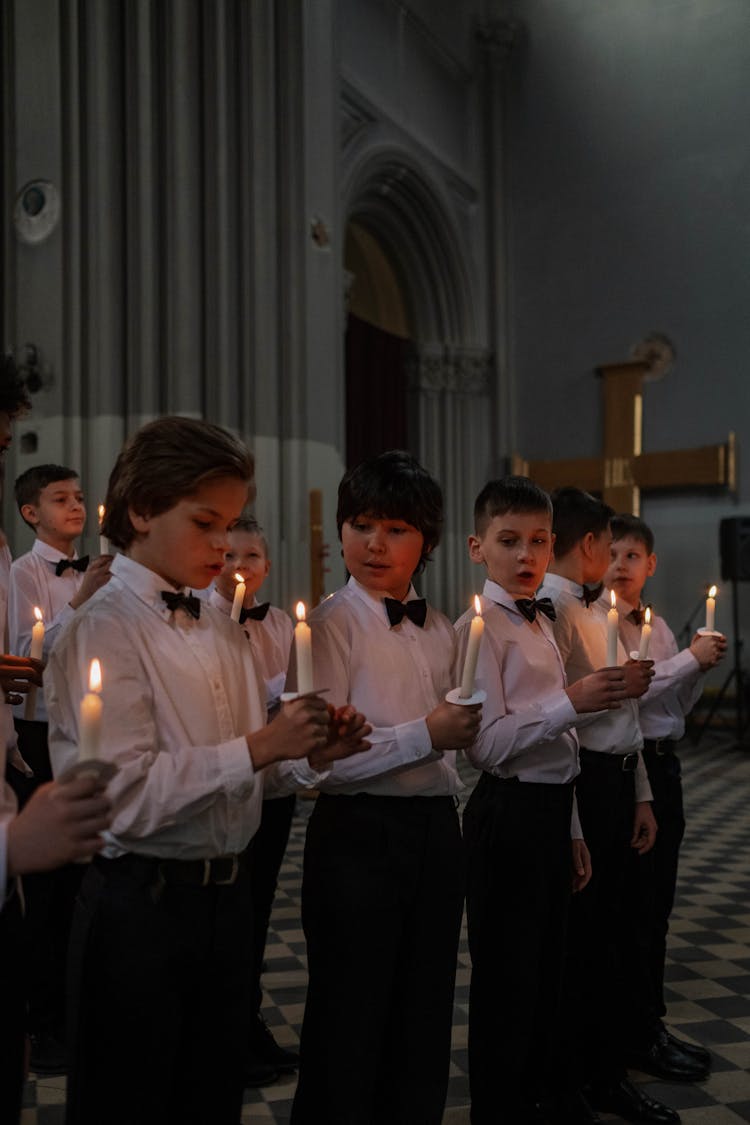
[{"x": 458, "y": 371}]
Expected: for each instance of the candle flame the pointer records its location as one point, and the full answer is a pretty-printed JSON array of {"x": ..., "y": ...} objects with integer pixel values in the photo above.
[
  {"x": 613, "y": 599},
  {"x": 647, "y": 615},
  {"x": 713, "y": 592},
  {"x": 38, "y": 613},
  {"x": 101, "y": 514},
  {"x": 477, "y": 606},
  {"x": 300, "y": 611},
  {"x": 95, "y": 676},
  {"x": 238, "y": 578}
]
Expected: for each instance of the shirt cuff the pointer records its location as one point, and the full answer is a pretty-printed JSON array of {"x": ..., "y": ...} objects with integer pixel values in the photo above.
[
  {"x": 413, "y": 740},
  {"x": 237, "y": 771},
  {"x": 559, "y": 712}
]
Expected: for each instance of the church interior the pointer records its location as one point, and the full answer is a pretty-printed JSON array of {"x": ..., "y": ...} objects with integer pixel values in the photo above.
[{"x": 506, "y": 235}]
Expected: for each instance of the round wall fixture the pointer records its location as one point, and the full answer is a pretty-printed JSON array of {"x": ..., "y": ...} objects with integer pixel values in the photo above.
[{"x": 36, "y": 211}]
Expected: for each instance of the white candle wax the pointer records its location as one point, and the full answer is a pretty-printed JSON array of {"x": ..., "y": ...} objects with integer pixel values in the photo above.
[
  {"x": 711, "y": 610},
  {"x": 239, "y": 597},
  {"x": 645, "y": 637},
  {"x": 472, "y": 652},
  {"x": 613, "y": 625},
  {"x": 303, "y": 650},
  {"x": 37, "y": 648},
  {"x": 103, "y": 541},
  {"x": 90, "y": 717}
]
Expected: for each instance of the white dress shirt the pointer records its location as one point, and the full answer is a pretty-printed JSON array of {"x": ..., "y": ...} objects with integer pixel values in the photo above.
[
  {"x": 527, "y": 721},
  {"x": 271, "y": 641},
  {"x": 395, "y": 676},
  {"x": 677, "y": 682},
  {"x": 33, "y": 582},
  {"x": 179, "y": 696},
  {"x": 581, "y": 635}
]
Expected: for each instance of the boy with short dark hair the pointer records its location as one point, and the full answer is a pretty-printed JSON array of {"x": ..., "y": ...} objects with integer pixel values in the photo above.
[
  {"x": 54, "y": 579},
  {"x": 614, "y": 804},
  {"x": 677, "y": 685},
  {"x": 269, "y": 631},
  {"x": 382, "y": 890},
  {"x": 524, "y": 847},
  {"x": 161, "y": 965}
]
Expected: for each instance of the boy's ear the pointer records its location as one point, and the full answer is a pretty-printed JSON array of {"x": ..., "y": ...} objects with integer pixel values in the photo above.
[
  {"x": 30, "y": 513},
  {"x": 139, "y": 520},
  {"x": 475, "y": 549},
  {"x": 651, "y": 567}
]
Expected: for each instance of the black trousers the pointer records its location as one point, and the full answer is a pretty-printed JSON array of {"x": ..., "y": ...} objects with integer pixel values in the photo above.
[
  {"x": 518, "y": 848},
  {"x": 49, "y": 898},
  {"x": 382, "y": 899},
  {"x": 652, "y": 888},
  {"x": 12, "y": 1010},
  {"x": 161, "y": 983},
  {"x": 599, "y": 932},
  {"x": 267, "y": 849}
]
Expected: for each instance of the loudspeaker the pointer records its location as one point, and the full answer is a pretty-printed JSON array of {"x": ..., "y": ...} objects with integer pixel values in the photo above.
[{"x": 734, "y": 544}]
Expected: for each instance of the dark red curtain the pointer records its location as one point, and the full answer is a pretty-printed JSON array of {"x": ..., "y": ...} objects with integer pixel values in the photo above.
[{"x": 376, "y": 391}]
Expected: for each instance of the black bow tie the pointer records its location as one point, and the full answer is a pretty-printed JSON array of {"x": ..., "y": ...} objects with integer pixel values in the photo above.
[
  {"x": 636, "y": 616},
  {"x": 254, "y": 613},
  {"x": 415, "y": 610},
  {"x": 590, "y": 594},
  {"x": 529, "y": 607},
  {"x": 74, "y": 564},
  {"x": 188, "y": 602}
]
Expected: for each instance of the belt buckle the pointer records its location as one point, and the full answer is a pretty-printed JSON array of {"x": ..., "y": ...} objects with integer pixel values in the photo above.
[
  {"x": 232, "y": 874},
  {"x": 629, "y": 762},
  {"x": 658, "y": 747}
]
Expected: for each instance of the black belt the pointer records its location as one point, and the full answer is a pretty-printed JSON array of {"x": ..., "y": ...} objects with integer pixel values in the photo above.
[
  {"x": 623, "y": 762},
  {"x": 221, "y": 871},
  {"x": 660, "y": 746}
]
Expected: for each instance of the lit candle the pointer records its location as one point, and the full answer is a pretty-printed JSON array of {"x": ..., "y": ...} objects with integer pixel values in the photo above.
[
  {"x": 645, "y": 636},
  {"x": 303, "y": 649},
  {"x": 103, "y": 541},
  {"x": 472, "y": 651},
  {"x": 90, "y": 716},
  {"x": 613, "y": 626},
  {"x": 37, "y": 647},
  {"x": 239, "y": 597},
  {"x": 711, "y": 610}
]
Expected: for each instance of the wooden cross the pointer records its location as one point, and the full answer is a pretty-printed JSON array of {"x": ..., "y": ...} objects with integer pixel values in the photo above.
[{"x": 625, "y": 471}]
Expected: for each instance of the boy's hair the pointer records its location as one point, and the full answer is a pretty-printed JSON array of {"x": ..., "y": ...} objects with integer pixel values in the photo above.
[
  {"x": 508, "y": 494},
  {"x": 14, "y": 398},
  {"x": 29, "y": 485},
  {"x": 574, "y": 514},
  {"x": 250, "y": 526},
  {"x": 165, "y": 462},
  {"x": 394, "y": 486},
  {"x": 624, "y": 525}
]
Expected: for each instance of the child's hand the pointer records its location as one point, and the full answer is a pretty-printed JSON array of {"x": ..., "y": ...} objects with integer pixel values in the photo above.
[
  {"x": 638, "y": 676},
  {"x": 60, "y": 824},
  {"x": 644, "y": 828},
  {"x": 708, "y": 651},
  {"x": 603, "y": 690},
  {"x": 301, "y": 726},
  {"x": 452, "y": 726},
  {"x": 97, "y": 574},
  {"x": 17, "y": 675},
  {"x": 347, "y": 735},
  {"x": 581, "y": 864}
]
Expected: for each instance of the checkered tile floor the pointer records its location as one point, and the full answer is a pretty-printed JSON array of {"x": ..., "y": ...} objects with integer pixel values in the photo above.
[{"x": 708, "y": 971}]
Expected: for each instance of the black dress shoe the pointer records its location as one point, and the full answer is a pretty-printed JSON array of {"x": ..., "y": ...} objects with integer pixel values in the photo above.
[
  {"x": 630, "y": 1102},
  {"x": 259, "y": 1073},
  {"x": 693, "y": 1050},
  {"x": 48, "y": 1055},
  {"x": 571, "y": 1109},
  {"x": 665, "y": 1060},
  {"x": 264, "y": 1048}
]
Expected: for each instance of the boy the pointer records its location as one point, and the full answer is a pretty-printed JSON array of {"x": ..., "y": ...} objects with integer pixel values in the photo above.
[
  {"x": 52, "y": 577},
  {"x": 60, "y": 823},
  {"x": 613, "y": 798},
  {"x": 161, "y": 966},
  {"x": 382, "y": 890},
  {"x": 677, "y": 685},
  {"x": 517, "y": 823},
  {"x": 269, "y": 631}
]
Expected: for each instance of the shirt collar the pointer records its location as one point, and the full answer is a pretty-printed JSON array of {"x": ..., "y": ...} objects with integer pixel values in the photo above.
[
  {"x": 50, "y": 554},
  {"x": 557, "y": 582},
  {"x": 375, "y": 601},
  {"x": 499, "y": 594},
  {"x": 146, "y": 584}
]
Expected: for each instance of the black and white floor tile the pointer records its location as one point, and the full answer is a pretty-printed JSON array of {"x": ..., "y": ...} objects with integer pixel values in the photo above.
[{"x": 708, "y": 971}]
